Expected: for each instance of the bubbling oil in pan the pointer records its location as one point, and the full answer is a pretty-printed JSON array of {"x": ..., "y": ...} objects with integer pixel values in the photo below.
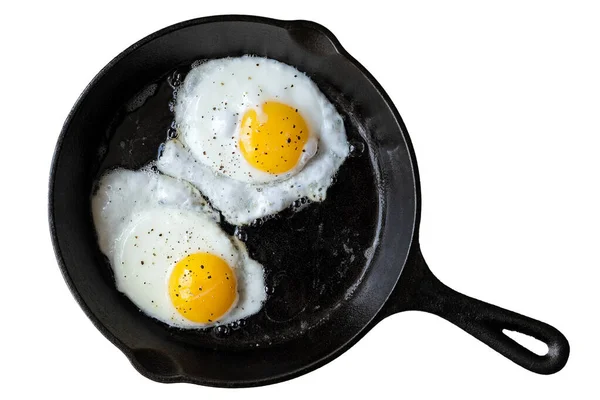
[{"x": 314, "y": 254}]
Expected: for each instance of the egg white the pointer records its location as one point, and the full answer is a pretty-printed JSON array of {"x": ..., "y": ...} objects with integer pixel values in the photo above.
[
  {"x": 146, "y": 223},
  {"x": 208, "y": 136}
]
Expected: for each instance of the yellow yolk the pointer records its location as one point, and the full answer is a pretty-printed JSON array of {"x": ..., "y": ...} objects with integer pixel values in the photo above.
[
  {"x": 274, "y": 142},
  {"x": 202, "y": 287}
]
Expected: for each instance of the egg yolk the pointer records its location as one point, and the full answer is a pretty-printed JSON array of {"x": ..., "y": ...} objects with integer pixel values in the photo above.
[
  {"x": 274, "y": 141},
  {"x": 202, "y": 287}
]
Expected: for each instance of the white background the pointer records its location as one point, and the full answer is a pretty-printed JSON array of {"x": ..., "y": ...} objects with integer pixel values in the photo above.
[{"x": 502, "y": 103}]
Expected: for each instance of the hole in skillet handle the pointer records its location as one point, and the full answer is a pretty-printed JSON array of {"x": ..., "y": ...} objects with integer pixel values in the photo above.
[
  {"x": 418, "y": 289},
  {"x": 534, "y": 345}
]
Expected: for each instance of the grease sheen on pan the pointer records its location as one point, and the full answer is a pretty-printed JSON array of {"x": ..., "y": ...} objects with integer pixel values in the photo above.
[
  {"x": 169, "y": 255},
  {"x": 254, "y": 135}
]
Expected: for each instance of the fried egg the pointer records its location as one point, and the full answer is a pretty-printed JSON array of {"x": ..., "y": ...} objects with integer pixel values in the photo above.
[
  {"x": 254, "y": 135},
  {"x": 168, "y": 254}
]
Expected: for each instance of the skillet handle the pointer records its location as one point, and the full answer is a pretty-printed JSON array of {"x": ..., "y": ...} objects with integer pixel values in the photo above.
[{"x": 420, "y": 290}]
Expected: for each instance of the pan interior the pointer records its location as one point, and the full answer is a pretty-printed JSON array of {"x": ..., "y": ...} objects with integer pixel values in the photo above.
[{"x": 313, "y": 258}]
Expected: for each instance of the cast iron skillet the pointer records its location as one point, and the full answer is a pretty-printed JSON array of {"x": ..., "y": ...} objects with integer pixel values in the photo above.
[{"x": 334, "y": 269}]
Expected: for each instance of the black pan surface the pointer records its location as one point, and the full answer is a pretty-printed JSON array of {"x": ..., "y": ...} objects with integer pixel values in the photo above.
[{"x": 332, "y": 268}]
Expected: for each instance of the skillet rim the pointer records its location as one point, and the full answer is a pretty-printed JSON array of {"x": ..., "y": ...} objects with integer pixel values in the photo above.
[{"x": 183, "y": 377}]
